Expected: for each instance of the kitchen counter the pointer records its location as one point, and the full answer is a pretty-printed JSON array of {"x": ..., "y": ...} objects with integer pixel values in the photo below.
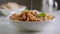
[{"x": 53, "y": 28}]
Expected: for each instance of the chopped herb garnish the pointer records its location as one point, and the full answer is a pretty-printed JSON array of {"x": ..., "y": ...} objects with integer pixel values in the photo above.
[
  {"x": 42, "y": 14},
  {"x": 25, "y": 10},
  {"x": 31, "y": 10}
]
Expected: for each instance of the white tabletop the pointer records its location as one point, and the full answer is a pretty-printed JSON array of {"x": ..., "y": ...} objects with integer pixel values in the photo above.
[{"x": 53, "y": 28}]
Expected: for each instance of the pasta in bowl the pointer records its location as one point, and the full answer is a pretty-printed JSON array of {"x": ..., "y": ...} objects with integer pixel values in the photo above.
[{"x": 31, "y": 20}]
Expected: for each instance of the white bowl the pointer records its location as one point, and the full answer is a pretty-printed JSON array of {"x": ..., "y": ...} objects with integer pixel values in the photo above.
[
  {"x": 7, "y": 11},
  {"x": 32, "y": 26}
]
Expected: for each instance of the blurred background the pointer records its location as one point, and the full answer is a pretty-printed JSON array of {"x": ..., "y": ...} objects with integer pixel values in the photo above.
[{"x": 31, "y": 4}]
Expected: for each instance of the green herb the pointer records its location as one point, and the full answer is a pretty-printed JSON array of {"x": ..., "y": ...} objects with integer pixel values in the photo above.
[
  {"x": 25, "y": 10},
  {"x": 42, "y": 14},
  {"x": 30, "y": 10}
]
